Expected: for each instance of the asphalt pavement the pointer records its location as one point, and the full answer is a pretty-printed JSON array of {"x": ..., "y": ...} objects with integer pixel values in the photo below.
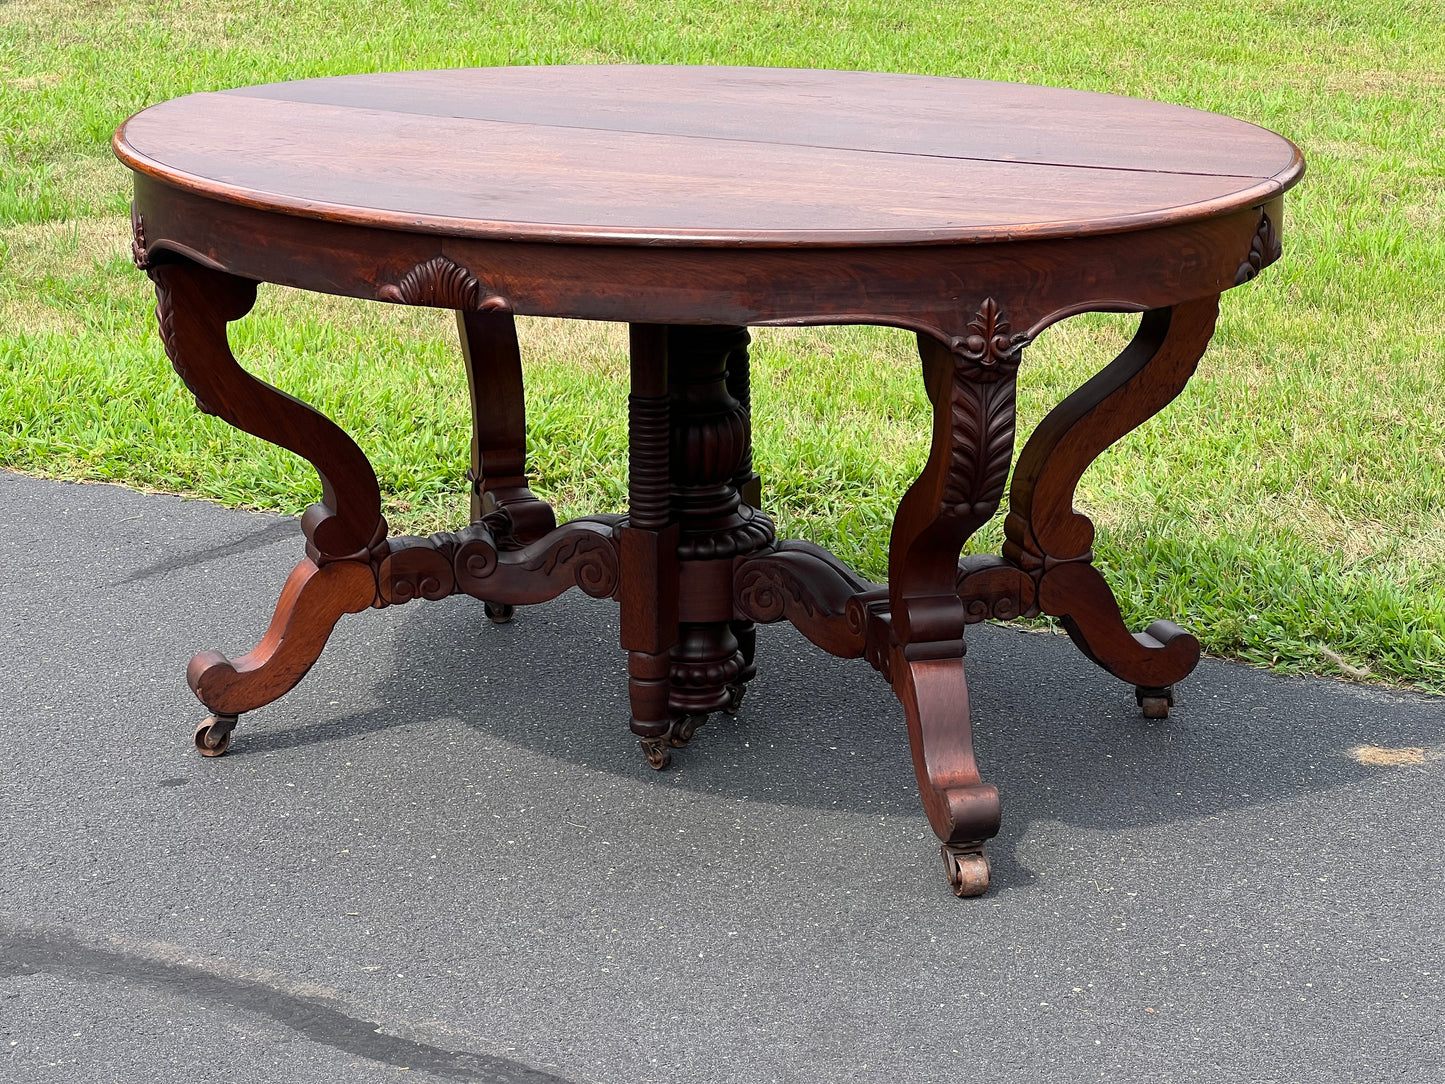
[{"x": 443, "y": 858}]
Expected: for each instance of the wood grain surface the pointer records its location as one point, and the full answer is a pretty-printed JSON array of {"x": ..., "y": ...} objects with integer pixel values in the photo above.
[{"x": 708, "y": 155}]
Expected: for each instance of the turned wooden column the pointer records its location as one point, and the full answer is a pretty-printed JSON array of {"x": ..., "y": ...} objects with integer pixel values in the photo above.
[
  {"x": 711, "y": 455},
  {"x": 690, "y": 463}
]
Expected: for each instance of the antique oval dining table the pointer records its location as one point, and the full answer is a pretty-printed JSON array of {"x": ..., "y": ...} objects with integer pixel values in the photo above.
[{"x": 692, "y": 203}]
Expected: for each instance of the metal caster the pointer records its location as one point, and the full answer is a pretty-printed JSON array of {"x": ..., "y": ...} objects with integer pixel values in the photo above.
[
  {"x": 684, "y": 730},
  {"x": 213, "y": 736},
  {"x": 1154, "y": 702},
  {"x": 499, "y": 612},
  {"x": 967, "y": 870},
  {"x": 735, "y": 698},
  {"x": 656, "y": 751}
]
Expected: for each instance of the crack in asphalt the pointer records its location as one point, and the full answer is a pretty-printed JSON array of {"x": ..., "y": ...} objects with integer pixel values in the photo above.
[
  {"x": 283, "y": 528},
  {"x": 32, "y": 952}
]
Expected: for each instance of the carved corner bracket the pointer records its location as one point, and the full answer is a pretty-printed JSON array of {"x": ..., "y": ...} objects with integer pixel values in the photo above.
[
  {"x": 444, "y": 284},
  {"x": 1264, "y": 249}
]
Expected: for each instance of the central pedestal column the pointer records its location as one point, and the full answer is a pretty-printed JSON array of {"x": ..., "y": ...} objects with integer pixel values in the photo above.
[{"x": 709, "y": 453}]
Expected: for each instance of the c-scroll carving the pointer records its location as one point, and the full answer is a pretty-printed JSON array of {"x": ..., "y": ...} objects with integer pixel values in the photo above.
[
  {"x": 993, "y": 589},
  {"x": 417, "y": 568},
  {"x": 582, "y": 553},
  {"x": 443, "y": 284},
  {"x": 807, "y": 586}
]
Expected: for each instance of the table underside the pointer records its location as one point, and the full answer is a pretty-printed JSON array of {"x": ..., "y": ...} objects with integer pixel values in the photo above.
[{"x": 694, "y": 562}]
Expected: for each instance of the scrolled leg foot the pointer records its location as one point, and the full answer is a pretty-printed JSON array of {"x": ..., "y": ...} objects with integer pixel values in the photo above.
[
  {"x": 213, "y": 736},
  {"x": 312, "y": 602},
  {"x": 1154, "y": 702},
  {"x": 966, "y": 868},
  {"x": 682, "y": 730},
  {"x": 499, "y": 612}
]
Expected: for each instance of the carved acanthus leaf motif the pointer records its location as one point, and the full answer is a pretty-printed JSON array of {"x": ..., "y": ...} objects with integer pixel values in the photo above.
[
  {"x": 764, "y": 588},
  {"x": 983, "y": 439},
  {"x": 444, "y": 284},
  {"x": 981, "y": 404},
  {"x": 138, "y": 253},
  {"x": 1264, "y": 249},
  {"x": 988, "y": 351},
  {"x": 982, "y": 446}
]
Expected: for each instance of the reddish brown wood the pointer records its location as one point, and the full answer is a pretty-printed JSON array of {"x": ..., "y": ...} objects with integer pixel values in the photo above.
[
  {"x": 648, "y": 549},
  {"x": 691, "y": 204},
  {"x": 1052, "y": 542},
  {"x": 485, "y": 561},
  {"x": 853, "y": 110},
  {"x": 1035, "y": 161},
  {"x": 807, "y": 586},
  {"x": 499, "y": 422},
  {"x": 750, "y": 491},
  {"x": 313, "y": 600},
  {"x": 691, "y": 451},
  {"x": 193, "y": 306},
  {"x": 915, "y": 287}
]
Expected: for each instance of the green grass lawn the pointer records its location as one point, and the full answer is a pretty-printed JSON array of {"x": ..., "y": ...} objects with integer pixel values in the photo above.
[{"x": 1289, "y": 507}]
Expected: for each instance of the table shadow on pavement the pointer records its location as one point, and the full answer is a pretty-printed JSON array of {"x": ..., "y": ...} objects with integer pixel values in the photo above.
[{"x": 1061, "y": 739}]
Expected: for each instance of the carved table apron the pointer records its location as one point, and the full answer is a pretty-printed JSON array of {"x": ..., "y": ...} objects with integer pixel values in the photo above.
[{"x": 692, "y": 203}]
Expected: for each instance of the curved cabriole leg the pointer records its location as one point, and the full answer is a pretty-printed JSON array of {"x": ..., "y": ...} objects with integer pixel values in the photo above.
[
  {"x": 971, "y": 386},
  {"x": 344, "y": 530},
  {"x": 1052, "y": 541},
  {"x": 962, "y": 809}
]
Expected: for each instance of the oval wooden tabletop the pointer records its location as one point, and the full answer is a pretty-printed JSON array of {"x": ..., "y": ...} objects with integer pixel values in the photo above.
[{"x": 695, "y": 155}]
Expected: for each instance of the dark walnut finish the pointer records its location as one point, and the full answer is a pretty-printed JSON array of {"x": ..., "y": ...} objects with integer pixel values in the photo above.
[{"x": 693, "y": 203}]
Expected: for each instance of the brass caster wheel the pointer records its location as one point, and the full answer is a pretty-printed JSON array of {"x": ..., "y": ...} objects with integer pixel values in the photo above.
[
  {"x": 967, "y": 870},
  {"x": 684, "y": 730},
  {"x": 1154, "y": 703},
  {"x": 499, "y": 612},
  {"x": 658, "y": 755},
  {"x": 735, "y": 698},
  {"x": 213, "y": 737}
]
